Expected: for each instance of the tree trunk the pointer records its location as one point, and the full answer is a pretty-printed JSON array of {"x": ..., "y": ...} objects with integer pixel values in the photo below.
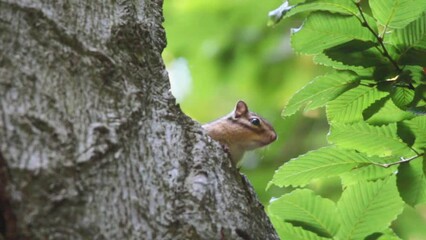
[{"x": 92, "y": 145}]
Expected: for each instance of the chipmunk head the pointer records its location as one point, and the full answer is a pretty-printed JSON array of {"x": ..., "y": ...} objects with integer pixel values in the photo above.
[
  {"x": 249, "y": 129},
  {"x": 240, "y": 131}
]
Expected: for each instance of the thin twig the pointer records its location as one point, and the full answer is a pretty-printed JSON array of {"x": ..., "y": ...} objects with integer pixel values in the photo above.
[
  {"x": 403, "y": 160},
  {"x": 379, "y": 39},
  {"x": 382, "y": 36}
]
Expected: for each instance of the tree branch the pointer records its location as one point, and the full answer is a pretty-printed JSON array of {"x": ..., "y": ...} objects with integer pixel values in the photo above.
[
  {"x": 403, "y": 160},
  {"x": 380, "y": 39}
]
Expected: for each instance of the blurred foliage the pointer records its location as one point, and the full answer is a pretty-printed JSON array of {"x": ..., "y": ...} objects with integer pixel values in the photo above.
[
  {"x": 221, "y": 51},
  {"x": 232, "y": 54}
]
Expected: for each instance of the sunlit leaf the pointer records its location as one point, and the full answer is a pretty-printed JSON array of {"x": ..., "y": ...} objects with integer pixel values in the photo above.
[
  {"x": 385, "y": 111},
  {"x": 372, "y": 140},
  {"x": 419, "y": 105},
  {"x": 288, "y": 231},
  {"x": 368, "y": 207},
  {"x": 416, "y": 74},
  {"x": 411, "y": 36},
  {"x": 316, "y": 34},
  {"x": 327, "y": 61},
  {"x": 410, "y": 42},
  {"x": 412, "y": 182},
  {"x": 356, "y": 53},
  {"x": 336, "y": 6},
  {"x": 349, "y": 106},
  {"x": 417, "y": 127},
  {"x": 324, "y": 162},
  {"x": 387, "y": 234},
  {"x": 367, "y": 173},
  {"x": 303, "y": 208},
  {"x": 319, "y": 91},
  {"x": 397, "y": 13},
  {"x": 402, "y": 96}
]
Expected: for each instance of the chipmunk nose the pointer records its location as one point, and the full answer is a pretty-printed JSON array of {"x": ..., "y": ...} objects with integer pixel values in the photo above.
[{"x": 273, "y": 137}]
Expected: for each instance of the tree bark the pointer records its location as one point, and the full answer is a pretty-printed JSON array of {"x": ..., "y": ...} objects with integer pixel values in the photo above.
[{"x": 92, "y": 145}]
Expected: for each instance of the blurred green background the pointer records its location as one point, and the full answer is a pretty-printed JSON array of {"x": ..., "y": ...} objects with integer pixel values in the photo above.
[{"x": 219, "y": 52}]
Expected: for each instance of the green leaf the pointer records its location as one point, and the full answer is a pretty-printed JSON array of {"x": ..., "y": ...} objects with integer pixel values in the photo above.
[
  {"x": 424, "y": 164},
  {"x": 388, "y": 234},
  {"x": 324, "y": 162},
  {"x": 288, "y": 231},
  {"x": 303, "y": 208},
  {"x": 402, "y": 96},
  {"x": 320, "y": 90},
  {"x": 413, "y": 56},
  {"x": 417, "y": 128},
  {"x": 317, "y": 34},
  {"x": 419, "y": 105},
  {"x": 384, "y": 111},
  {"x": 416, "y": 74},
  {"x": 372, "y": 140},
  {"x": 356, "y": 53},
  {"x": 411, "y": 36},
  {"x": 327, "y": 61},
  {"x": 335, "y": 6},
  {"x": 368, "y": 207},
  {"x": 410, "y": 42},
  {"x": 367, "y": 173},
  {"x": 397, "y": 13},
  {"x": 411, "y": 182},
  {"x": 349, "y": 106}
]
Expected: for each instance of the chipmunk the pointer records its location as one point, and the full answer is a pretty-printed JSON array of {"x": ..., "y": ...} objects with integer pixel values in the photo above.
[{"x": 241, "y": 130}]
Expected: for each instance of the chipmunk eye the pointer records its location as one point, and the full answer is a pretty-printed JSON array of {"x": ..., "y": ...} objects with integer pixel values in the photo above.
[{"x": 255, "y": 121}]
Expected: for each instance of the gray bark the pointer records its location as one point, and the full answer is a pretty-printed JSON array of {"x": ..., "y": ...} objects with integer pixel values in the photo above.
[{"x": 92, "y": 145}]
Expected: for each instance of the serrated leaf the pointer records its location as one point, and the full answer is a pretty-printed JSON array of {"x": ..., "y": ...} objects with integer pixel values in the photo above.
[
  {"x": 320, "y": 90},
  {"x": 388, "y": 234},
  {"x": 327, "y": 61},
  {"x": 419, "y": 104},
  {"x": 397, "y": 13},
  {"x": 411, "y": 36},
  {"x": 288, "y": 231},
  {"x": 416, "y": 74},
  {"x": 411, "y": 182},
  {"x": 402, "y": 96},
  {"x": 367, "y": 173},
  {"x": 372, "y": 140},
  {"x": 349, "y": 106},
  {"x": 410, "y": 42},
  {"x": 368, "y": 207},
  {"x": 413, "y": 56},
  {"x": 316, "y": 34},
  {"x": 424, "y": 164},
  {"x": 335, "y": 6},
  {"x": 384, "y": 111},
  {"x": 356, "y": 53},
  {"x": 366, "y": 55},
  {"x": 303, "y": 208},
  {"x": 324, "y": 162},
  {"x": 417, "y": 127}
]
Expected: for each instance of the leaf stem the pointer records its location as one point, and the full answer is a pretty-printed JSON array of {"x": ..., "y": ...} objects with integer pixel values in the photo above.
[
  {"x": 379, "y": 39},
  {"x": 403, "y": 160}
]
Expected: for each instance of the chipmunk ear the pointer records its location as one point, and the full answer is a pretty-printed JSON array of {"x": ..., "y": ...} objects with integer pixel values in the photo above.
[{"x": 240, "y": 109}]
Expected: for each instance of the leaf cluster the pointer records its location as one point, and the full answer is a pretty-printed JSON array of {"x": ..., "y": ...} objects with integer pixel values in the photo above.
[{"x": 375, "y": 100}]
